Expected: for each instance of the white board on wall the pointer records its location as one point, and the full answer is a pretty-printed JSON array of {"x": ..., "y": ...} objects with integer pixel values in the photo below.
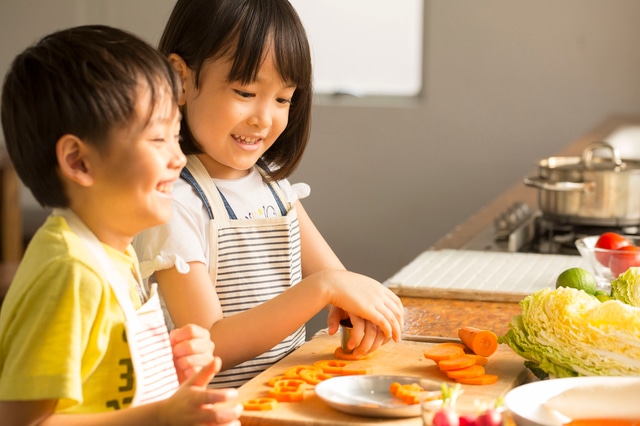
[{"x": 365, "y": 47}]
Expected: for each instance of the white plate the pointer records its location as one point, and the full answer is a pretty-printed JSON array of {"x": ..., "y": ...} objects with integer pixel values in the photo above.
[
  {"x": 527, "y": 402},
  {"x": 367, "y": 395}
]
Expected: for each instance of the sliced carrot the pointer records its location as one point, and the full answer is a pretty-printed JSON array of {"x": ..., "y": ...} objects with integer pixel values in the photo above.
[
  {"x": 409, "y": 393},
  {"x": 339, "y": 353},
  {"x": 461, "y": 345},
  {"x": 463, "y": 361},
  {"x": 480, "y": 360},
  {"x": 603, "y": 422},
  {"x": 272, "y": 381},
  {"x": 443, "y": 351},
  {"x": 313, "y": 377},
  {"x": 356, "y": 368},
  {"x": 260, "y": 404},
  {"x": 288, "y": 390},
  {"x": 331, "y": 366},
  {"x": 481, "y": 342},
  {"x": 294, "y": 372},
  {"x": 485, "y": 379},
  {"x": 465, "y": 373},
  {"x": 393, "y": 387}
]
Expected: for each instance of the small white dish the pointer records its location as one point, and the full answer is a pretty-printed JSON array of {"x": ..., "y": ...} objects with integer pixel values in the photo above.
[{"x": 368, "y": 395}]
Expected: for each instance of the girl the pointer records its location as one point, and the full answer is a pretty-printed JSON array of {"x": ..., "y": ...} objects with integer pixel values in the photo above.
[{"x": 258, "y": 269}]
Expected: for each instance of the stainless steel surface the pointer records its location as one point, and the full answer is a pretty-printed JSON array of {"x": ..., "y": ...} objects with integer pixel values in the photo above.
[
  {"x": 589, "y": 190},
  {"x": 430, "y": 339}
]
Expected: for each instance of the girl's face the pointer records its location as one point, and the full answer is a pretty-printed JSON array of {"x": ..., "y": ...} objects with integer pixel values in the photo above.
[
  {"x": 135, "y": 175},
  {"x": 234, "y": 124}
]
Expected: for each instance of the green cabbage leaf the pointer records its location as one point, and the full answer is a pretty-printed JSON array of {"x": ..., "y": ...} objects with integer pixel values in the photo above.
[
  {"x": 626, "y": 288},
  {"x": 566, "y": 332}
]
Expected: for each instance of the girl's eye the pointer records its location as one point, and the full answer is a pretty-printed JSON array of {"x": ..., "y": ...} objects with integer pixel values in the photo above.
[
  {"x": 243, "y": 94},
  {"x": 283, "y": 101}
]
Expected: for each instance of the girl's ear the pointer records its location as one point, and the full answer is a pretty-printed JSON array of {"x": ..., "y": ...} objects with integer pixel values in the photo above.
[
  {"x": 74, "y": 160},
  {"x": 183, "y": 71}
]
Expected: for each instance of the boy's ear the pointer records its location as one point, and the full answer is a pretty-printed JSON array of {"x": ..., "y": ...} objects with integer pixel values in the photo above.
[
  {"x": 183, "y": 71},
  {"x": 74, "y": 160}
]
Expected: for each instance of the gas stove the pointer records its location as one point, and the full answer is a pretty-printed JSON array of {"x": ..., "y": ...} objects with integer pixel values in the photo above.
[{"x": 522, "y": 229}]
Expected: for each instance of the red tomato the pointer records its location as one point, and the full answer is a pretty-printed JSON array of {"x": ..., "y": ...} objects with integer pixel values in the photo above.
[
  {"x": 609, "y": 241},
  {"x": 627, "y": 257}
]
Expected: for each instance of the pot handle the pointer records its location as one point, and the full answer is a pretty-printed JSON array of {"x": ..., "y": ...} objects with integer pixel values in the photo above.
[
  {"x": 587, "y": 154},
  {"x": 557, "y": 186}
]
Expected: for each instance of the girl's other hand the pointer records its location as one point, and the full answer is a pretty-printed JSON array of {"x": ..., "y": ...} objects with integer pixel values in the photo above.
[
  {"x": 194, "y": 404},
  {"x": 192, "y": 350}
]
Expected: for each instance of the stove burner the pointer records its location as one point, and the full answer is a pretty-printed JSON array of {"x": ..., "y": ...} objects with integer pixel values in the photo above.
[{"x": 558, "y": 237}]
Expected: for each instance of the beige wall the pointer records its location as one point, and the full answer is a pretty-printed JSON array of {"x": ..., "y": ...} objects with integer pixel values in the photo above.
[{"x": 506, "y": 83}]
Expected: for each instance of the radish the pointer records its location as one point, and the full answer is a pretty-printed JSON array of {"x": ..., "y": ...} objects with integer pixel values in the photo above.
[
  {"x": 491, "y": 417},
  {"x": 445, "y": 417}
]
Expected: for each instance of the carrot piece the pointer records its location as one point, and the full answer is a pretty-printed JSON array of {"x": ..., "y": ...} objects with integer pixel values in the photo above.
[
  {"x": 480, "y": 360},
  {"x": 356, "y": 368},
  {"x": 393, "y": 388},
  {"x": 463, "y": 361},
  {"x": 313, "y": 377},
  {"x": 272, "y": 381},
  {"x": 331, "y": 366},
  {"x": 485, "y": 379},
  {"x": 603, "y": 422},
  {"x": 465, "y": 373},
  {"x": 443, "y": 351},
  {"x": 481, "y": 342},
  {"x": 409, "y": 393},
  {"x": 339, "y": 353},
  {"x": 288, "y": 390},
  {"x": 260, "y": 404},
  {"x": 294, "y": 372}
]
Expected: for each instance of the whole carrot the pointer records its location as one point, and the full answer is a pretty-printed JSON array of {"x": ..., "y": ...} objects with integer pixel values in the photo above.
[{"x": 481, "y": 342}]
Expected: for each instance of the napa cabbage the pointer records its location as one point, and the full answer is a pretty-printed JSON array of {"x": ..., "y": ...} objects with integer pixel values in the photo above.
[
  {"x": 626, "y": 287},
  {"x": 566, "y": 332}
]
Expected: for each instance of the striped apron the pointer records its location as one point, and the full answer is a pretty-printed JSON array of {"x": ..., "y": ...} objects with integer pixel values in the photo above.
[
  {"x": 250, "y": 261},
  {"x": 151, "y": 353}
]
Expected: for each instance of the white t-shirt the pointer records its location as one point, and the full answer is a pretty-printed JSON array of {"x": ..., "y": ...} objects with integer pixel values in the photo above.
[{"x": 186, "y": 235}]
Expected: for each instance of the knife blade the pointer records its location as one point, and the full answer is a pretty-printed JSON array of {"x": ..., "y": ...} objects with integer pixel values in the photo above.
[{"x": 429, "y": 339}]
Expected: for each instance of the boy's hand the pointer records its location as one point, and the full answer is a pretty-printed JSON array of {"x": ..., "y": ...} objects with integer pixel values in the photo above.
[
  {"x": 194, "y": 404},
  {"x": 192, "y": 350}
]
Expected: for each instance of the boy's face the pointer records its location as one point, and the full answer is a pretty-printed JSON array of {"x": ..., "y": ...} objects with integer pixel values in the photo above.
[{"x": 135, "y": 175}]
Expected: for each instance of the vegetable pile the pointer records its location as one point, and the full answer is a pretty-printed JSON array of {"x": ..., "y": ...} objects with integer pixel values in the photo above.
[
  {"x": 566, "y": 332},
  {"x": 462, "y": 367}
]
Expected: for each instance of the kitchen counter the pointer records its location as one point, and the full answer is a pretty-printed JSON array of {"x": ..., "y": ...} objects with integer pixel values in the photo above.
[{"x": 442, "y": 317}]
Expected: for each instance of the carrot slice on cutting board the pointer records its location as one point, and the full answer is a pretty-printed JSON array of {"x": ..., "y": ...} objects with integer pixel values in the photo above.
[
  {"x": 485, "y": 379},
  {"x": 481, "y": 342},
  {"x": 603, "y": 422},
  {"x": 464, "y": 361},
  {"x": 443, "y": 351},
  {"x": 465, "y": 373}
]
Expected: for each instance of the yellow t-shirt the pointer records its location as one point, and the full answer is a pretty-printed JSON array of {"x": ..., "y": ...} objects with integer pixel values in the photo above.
[{"x": 62, "y": 332}]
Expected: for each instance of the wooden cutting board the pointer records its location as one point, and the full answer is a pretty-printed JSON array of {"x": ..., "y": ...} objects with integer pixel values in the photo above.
[{"x": 404, "y": 359}]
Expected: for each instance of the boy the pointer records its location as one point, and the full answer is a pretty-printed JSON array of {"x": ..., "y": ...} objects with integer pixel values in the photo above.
[{"x": 91, "y": 124}]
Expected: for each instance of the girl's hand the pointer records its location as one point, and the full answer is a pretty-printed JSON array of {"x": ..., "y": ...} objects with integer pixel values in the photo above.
[
  {"x": 367, "y": 299},
  {"x": 192, "y": 350},
  {"x": 194, "y": 404},
  {"x": 366, "y": 337}
]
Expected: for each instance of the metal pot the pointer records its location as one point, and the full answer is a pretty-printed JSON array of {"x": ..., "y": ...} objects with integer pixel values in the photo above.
[{"x": 590, "y": 190}]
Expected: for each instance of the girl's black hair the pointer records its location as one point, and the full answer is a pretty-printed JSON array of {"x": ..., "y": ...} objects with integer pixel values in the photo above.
[
  {"x": 83, "y": 81},
  {"x": 200, "y": 30}
]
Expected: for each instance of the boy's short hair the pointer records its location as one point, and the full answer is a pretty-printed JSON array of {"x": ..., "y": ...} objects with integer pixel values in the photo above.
[
  {"x": 83, "y": 81},
  {"x": 199, "y": 30}
]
